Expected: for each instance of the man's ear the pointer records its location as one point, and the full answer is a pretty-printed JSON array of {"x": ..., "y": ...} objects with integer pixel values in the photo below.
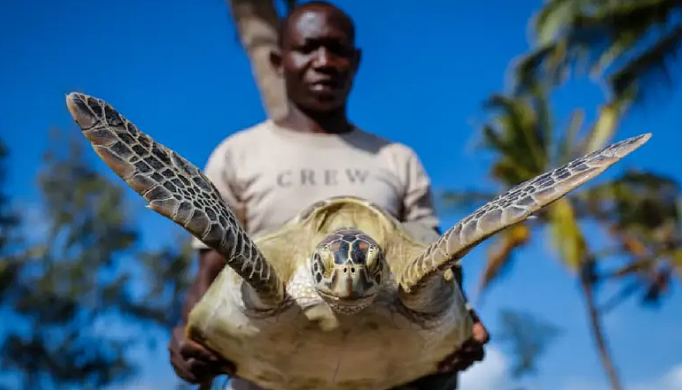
[{"x": 276, "y": 60}]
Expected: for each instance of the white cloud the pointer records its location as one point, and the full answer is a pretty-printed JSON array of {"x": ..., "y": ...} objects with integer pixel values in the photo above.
[
  {"x": 490, "y": 374},
  {"x": 135, "y": 386},
  {"x": 672, "y": 380},
  {"x": 493, "y": 374}
]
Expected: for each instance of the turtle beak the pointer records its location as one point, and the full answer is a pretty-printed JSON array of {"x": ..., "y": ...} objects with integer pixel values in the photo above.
[{"x": 351, "y": 282}]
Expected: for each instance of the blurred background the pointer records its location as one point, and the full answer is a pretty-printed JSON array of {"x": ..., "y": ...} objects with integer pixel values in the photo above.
[{"x": 488, "y": 93}]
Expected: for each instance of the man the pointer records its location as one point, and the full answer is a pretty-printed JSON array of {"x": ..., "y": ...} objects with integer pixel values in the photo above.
[{"x": 269, "y": 172}]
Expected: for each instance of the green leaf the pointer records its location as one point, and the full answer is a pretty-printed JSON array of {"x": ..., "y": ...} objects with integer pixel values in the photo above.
[
  {"x": 567, "y": 235},
  {"x": 529, "y": 338}
]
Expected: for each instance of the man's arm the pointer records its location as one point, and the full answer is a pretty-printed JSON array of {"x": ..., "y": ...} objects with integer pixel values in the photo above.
[
  {"x": 191, "y": 361},
  {"x": 210, "y": 264}
]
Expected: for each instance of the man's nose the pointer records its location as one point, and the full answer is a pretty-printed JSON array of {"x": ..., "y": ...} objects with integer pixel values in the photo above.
[{"x": 323, "y": 58}]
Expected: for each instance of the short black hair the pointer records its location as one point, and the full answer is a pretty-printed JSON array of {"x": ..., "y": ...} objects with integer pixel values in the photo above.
[{"x": 284, "y": 22}]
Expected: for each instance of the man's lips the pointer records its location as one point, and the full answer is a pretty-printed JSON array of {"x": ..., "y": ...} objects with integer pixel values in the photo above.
[{"x": 324, "y": 85}]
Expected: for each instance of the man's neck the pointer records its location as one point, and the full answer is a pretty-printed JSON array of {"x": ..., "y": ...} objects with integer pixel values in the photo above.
[{"x": 334, "y": 122}]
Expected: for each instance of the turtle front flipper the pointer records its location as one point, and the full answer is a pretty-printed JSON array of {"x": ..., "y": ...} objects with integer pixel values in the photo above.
[
  {"x": 420, "y": 278},
  {"x": 176, "y": 189}
]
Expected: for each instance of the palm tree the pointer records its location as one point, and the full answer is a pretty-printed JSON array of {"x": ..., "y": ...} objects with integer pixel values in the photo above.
[
  {"x": 629, "y": 43},
  {"x": 639, "y": 210},
  {"x": 642, "y": 213},
  {"x": 522, "y": 135},
  {"x": 257, "y": 25}
]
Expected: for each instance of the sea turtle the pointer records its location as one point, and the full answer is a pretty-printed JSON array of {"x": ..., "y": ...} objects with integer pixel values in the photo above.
[{"x": 339, "y": 298}]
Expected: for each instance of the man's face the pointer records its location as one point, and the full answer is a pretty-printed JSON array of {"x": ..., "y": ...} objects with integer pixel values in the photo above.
[{"x": 318, "y": 59}]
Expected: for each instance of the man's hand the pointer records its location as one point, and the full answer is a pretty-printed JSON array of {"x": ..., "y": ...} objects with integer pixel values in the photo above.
[
  {"x": 471, "y": 352},
  {"x": 194, "y": 363}
]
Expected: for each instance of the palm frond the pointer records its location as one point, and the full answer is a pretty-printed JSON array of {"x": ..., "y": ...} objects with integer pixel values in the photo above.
[
  {"x": 677, "y": 261},
  {"x": 519, "y": 134},
  {"x": 631, "y": 42},
  {"x": 566, "y": 234},
  {"x": 463, "y": 201},
  {"x": 604, "y": 128},
  {"x": 650, "y": 67},
  {"x": 566, "y": 146},
  {"x": 543, "y": 65},
  {"x": 636, "y": 202},
  {"x": 501, "y": 254},
  {"x": 528, "y": 336},
  {"x": 552, "y": 20},
  {"x": 605, "y": 31}
]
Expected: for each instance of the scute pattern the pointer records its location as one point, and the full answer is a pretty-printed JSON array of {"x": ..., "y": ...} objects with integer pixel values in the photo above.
[
  {"x": 174, "y": 188},
  {"x": 306, "y": 212},
  {"x": 351, "y": 247},
  {"x": 512, "y": 207},
  {"x": 350, "y": 243}
]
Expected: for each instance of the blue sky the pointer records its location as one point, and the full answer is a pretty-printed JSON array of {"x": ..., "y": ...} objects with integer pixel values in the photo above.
[{"x": 176, "y": 69}]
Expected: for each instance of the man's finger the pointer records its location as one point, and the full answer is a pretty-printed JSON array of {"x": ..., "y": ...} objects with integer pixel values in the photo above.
[
  {"x": 470, "y": 352},
  {"x": 228, "y": 368},
  {"x": 480, "y": 333},
  {"x": 181, "y": 370},
  {"x": 177, "y": 337},
  {"x": 208, "y": 385},
  {"x": 478, "y": 354},
  {"x": 190, "y": 349}
]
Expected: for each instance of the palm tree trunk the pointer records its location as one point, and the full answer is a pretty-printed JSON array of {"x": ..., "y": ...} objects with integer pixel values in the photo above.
[
  {"x": 257, "y": 25},
  {"x": 598, "y": 334}
]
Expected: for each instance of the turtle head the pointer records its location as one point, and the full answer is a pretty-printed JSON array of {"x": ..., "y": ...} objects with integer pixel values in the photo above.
[{"x": 348, "y": 268}]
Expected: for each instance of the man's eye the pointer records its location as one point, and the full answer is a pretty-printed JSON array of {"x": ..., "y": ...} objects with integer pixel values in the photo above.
[
  {"x": 306, "y": 49},
  {"x": 340, "y": 50}
]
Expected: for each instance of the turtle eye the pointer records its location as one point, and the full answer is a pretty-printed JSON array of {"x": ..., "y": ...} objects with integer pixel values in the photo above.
[
  {"x": 373, "y": 257},
  {"x": 376, "y": 266},
  {"x": 318, "y": 266},
  {"x": 319, "y": 269}
]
